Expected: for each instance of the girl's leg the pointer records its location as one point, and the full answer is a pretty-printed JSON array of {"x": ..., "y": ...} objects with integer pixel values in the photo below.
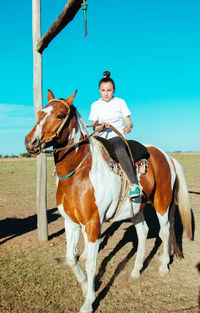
[
  {"x": 123, "y": 158},
  {"x": 126, "y": 164}
]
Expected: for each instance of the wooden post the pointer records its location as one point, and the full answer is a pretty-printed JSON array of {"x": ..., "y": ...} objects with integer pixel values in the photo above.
[
  {"x": 37, "y": 94},
  {"x": 39, "y": 44}
]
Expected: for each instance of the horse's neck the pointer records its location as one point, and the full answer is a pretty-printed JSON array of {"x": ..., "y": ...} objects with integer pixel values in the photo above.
[{"x": 68, "y": 160}]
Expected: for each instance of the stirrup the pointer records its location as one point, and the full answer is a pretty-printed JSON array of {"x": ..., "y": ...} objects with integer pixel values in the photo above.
[{"x": 135, "y": 191}]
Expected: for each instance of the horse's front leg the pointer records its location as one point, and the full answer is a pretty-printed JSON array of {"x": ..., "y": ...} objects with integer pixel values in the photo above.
[
  {"x": 142, "y": 231},
  {"x": 83, "y": 255},
  {"x": 91, "y": 262},
  {"x": 72, "y": 231}
]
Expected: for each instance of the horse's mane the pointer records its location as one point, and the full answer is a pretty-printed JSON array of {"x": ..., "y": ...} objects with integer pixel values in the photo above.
[{"x": 81, "y": 123}]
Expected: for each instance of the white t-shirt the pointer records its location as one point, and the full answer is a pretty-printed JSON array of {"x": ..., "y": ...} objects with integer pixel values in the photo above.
[{"x": 113, "y": 112}]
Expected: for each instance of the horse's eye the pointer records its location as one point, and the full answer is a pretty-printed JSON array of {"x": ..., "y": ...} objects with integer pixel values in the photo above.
[{"x": 60, "y": 116}]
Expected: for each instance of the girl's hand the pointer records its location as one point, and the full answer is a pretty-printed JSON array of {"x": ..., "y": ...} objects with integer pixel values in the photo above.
[
  {"x": 127, "y": 129},
  {"x": 99, "y": 128}
]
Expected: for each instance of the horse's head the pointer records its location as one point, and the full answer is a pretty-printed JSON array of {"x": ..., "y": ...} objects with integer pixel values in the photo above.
[{"x": 49, "y": 129}]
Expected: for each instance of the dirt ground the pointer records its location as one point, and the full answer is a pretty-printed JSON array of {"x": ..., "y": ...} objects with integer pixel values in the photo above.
[{"x": 176, "y": 292}]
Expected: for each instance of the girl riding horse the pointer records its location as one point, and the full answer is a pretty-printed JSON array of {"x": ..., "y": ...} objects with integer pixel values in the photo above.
[{"x": 88, "y": 191}]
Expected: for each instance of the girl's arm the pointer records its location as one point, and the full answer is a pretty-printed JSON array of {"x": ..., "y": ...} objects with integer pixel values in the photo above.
[{"x": 128, "y": 124}]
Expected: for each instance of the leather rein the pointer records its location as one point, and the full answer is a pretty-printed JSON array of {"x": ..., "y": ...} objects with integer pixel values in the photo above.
[{"x": 56, "y": 135}]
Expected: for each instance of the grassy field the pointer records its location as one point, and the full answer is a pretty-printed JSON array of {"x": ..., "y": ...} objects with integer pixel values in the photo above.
[{"x": 34, "y": 277}]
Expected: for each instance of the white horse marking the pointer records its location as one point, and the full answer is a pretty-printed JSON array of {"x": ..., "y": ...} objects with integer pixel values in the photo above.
[
  {"x": 76, "y": 135},
  {"x": 142, "y": 231},
  {"x": 164, "y": 235},
  {"x": 38, "y": 130},
  {"x": 106, "y": 185}
]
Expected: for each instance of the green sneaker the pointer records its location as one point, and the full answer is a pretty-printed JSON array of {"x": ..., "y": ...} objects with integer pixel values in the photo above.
[{"x": 134, "y": 191}]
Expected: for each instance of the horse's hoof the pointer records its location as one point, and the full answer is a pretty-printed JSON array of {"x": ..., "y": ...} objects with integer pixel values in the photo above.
[
  {"x": 162, "y": 274},
  {"x": 163, "y": 270},
  {"x": 86, "y": 308},
  {"x": 134, "y": 276}
]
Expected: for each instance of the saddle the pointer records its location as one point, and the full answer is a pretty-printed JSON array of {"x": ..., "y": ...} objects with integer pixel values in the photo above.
[{"x": 138, "y": 150}]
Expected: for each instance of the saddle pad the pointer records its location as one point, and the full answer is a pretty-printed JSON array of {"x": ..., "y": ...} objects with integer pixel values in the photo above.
[{"x": 138, "y": 150}]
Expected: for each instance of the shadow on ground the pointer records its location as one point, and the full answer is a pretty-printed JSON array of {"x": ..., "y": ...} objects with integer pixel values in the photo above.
[
  {"x": 13, "y": 227},
  {"x": 131, "y": 236}
]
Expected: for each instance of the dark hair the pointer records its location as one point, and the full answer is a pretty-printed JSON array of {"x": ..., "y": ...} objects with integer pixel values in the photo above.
[{"x": 106, "y": 78}]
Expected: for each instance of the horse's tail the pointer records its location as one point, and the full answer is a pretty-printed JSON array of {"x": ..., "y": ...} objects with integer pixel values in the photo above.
[{"x": 182, "y": 199}]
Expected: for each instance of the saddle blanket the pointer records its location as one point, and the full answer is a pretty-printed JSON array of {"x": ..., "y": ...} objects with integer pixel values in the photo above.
[{"x": 140, "y": 155}]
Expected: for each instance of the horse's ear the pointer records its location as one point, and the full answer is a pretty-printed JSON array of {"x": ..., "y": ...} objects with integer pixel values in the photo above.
[
  {"x": 50, "y": 95},
  {"x": 71, "y": 98}
]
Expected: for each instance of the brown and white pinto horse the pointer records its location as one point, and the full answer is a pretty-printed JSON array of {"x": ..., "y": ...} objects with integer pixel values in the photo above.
[{"x": 88, "y": 191}]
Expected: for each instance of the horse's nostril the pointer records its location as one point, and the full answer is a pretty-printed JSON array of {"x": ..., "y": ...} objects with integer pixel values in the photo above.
[{"x": 31, "y": 143}]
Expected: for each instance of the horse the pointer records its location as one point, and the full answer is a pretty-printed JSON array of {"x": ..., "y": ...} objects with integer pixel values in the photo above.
[{"x": 88, "y": 191}]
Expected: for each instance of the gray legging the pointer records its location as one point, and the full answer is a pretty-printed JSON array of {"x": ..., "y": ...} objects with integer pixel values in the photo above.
[{"x": 123, "y": 158}]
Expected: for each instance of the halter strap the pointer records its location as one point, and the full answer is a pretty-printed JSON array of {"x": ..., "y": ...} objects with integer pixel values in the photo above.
[
  {"x": 56, "y": 150},
  {"x": 66, "y": 176},
  {"x": 76, "y": 169}
]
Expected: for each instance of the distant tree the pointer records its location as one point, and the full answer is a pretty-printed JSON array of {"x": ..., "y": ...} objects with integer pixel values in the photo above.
[
  {"x": 14, "y": 156},
  {"x": 26, "y": 155}
]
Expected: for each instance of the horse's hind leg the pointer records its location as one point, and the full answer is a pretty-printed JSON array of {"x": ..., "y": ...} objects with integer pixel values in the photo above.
[
  {"x": 72, "y": 231},
  {"x": 142, "y": 231},
  {"x": 164, "y": 235},
  {"x": 174, "y": 247}
]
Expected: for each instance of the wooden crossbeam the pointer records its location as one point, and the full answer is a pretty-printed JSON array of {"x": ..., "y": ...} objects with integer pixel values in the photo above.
[{"x": 67, "y": 15}]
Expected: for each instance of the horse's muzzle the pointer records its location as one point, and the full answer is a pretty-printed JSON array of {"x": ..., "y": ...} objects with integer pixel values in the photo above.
[{"x": 33, "y": 145}]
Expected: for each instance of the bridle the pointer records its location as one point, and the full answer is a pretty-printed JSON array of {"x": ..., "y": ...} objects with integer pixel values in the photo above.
[{"x": 56, "y": 135}]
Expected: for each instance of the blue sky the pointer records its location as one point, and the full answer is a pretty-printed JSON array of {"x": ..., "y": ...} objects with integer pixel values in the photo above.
[{"x": 152, "y": 49}]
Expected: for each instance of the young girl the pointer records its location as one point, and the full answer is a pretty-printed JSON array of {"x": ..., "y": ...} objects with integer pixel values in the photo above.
[{"x": 110, "y": 110}]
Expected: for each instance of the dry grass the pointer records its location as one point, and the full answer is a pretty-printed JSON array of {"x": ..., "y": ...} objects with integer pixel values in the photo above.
[{"x": 34, "y": 277}]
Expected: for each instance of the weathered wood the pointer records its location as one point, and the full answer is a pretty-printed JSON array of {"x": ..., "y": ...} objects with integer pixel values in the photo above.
[
  {"x": 41, "y": 202},
  {"x": 68, "y": 13},
  {"x": 37, "y": 94},
  {"x": 37, "y": 57}
]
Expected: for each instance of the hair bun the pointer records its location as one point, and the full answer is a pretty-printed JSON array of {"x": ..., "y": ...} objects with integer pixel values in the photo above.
[{"x": 106, "y": 74}]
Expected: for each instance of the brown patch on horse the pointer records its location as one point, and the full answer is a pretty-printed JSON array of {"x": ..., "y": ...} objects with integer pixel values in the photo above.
[
  {"x": 76, "y": 194},
  {"x": 159, "y": 172}
]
